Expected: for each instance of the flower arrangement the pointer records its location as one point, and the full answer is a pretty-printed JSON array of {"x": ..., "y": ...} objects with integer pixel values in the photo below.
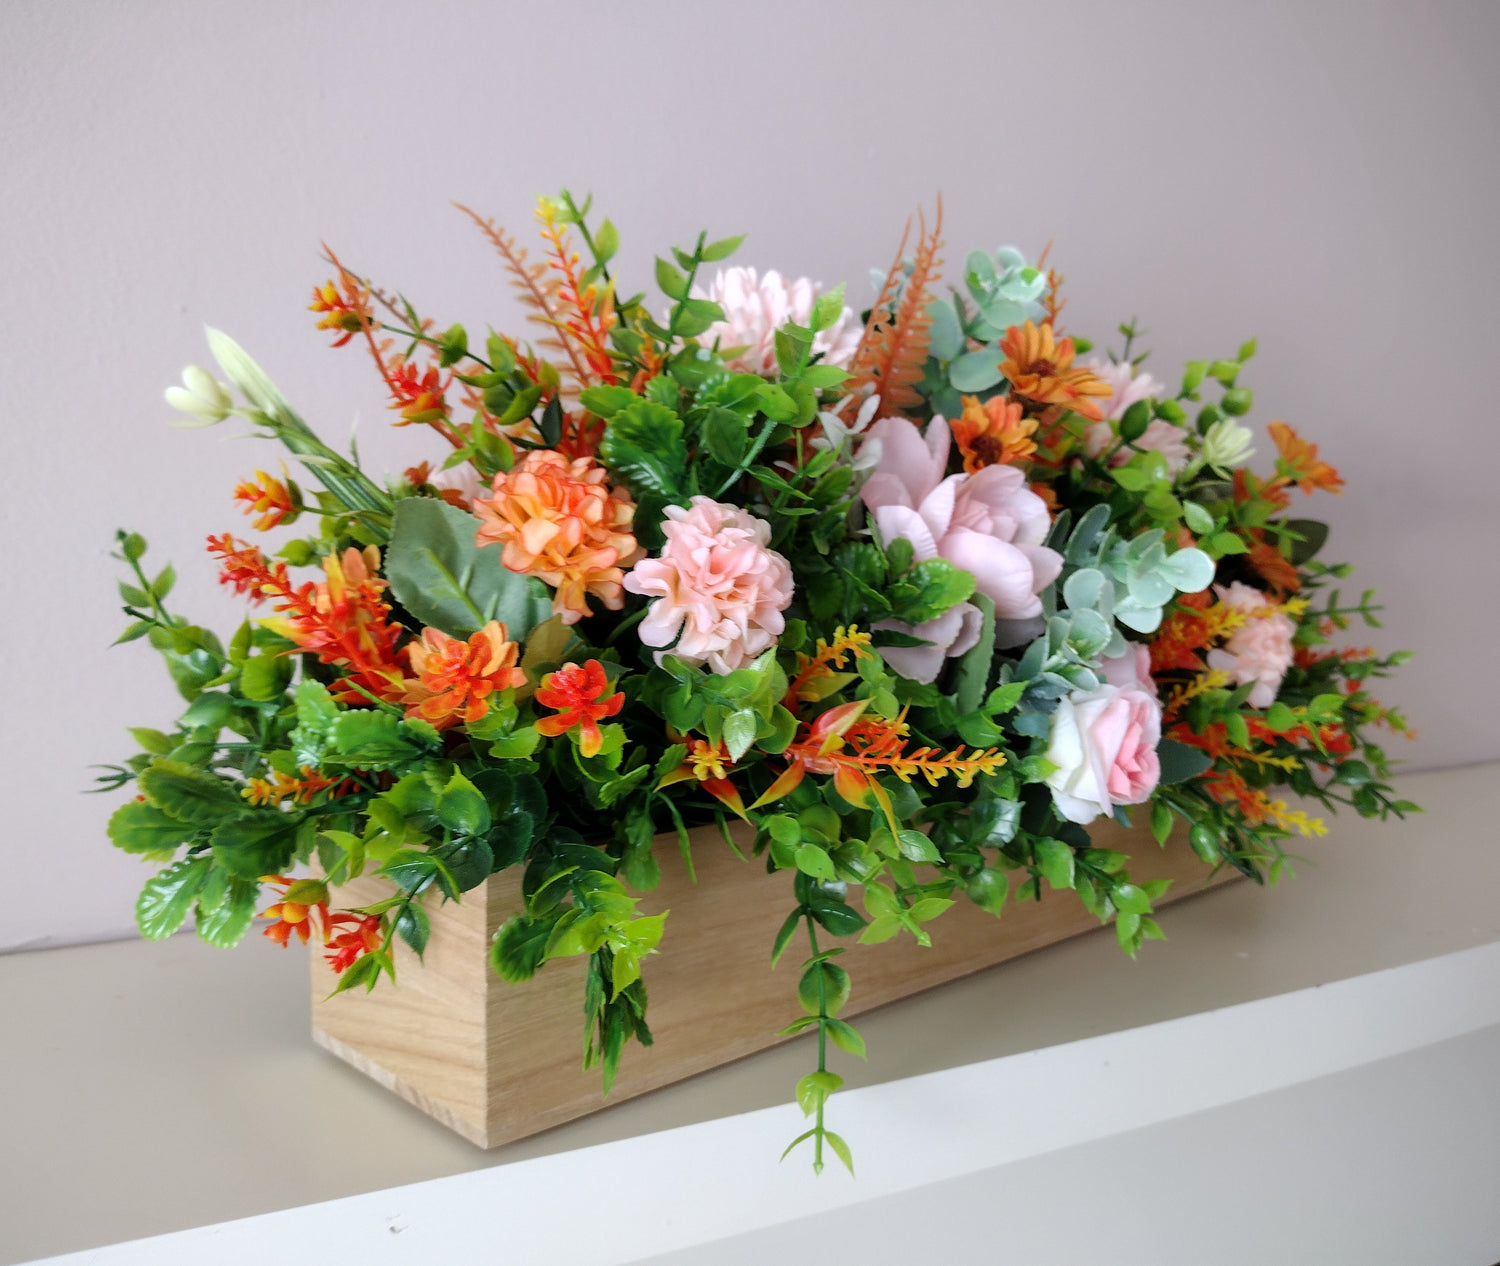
[{"x": 918, "y": 594}]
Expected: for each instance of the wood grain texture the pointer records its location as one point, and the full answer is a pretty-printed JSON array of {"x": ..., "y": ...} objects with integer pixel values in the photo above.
[{"x": 497, "y": 1062}]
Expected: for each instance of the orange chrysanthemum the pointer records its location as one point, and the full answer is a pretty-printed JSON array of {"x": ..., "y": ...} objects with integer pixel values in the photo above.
[
  {"x": 994, "y": 433},
  {"x": 1040, "y": 368},
  {"x": 558, "y": 521},
  {"x": 274, "y": 501},
  {"x": 577, "y": 691},
  {"x": 1299, "y": 461},
  {"x": 455, "y": 679}
]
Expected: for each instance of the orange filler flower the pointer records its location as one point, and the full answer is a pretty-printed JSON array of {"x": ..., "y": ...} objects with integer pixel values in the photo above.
[
  {"x": 455, "y": 679},
  {"x": 556, "y": 520},
  {"x": 1299, "y": 462},
  {"x": 710, "y": 766},
  {"x": 1040, "y": 368},
  {"x": 302, "y": 901},
  {"x": 994, "y": 433},
  {"x": 577, "y": 692},
  {"x": 350, "y": 946},
  {"x": 276, "y": 502}
]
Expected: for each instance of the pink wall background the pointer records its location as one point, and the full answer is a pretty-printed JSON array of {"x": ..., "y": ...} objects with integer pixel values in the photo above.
[{"x": 1323, "y": 177}]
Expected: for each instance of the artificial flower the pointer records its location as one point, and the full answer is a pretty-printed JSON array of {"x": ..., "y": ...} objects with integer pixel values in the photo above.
[
  {"x": 839, "y": 435},
  {"x": 201, "y": 397},
  {"x": 348, "y": 947},
  {"x": 710, "y": 766},
  {"x": 1040, "y": 367},
  {"x": 1299, "y": 462},
  {"x": 1226, "y": 445},
  {"x": 1260, "y": 649},
  {"x": 578, "y": 691},
  {"x": 276, "y": 502},
  {"x": 989, "y": 524},
  {"x": 455, "y": 679},
  {"x": 1125, "y": 385},
  {"x": 719, "y": 591},
  {"x": 1102, "y": 743},
  {"x": 557, "y": 520},
  {"x": 947, "y": 636},
  {"x": 303, "y": 903},
  {"x": 994, "y": 433},
  {"x": 1160, "y": 436},
  {"x": 756, "y": 307}
]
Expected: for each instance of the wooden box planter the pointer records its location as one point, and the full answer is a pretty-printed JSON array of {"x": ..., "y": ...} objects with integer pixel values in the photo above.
[{"x": 497, "y": 1061}]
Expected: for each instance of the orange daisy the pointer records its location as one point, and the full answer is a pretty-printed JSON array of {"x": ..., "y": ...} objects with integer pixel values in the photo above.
[
  {"x": 994, "y": 433},
  {"x": 1040, "y": 368},
  {"x": 1299, "y": 462}
]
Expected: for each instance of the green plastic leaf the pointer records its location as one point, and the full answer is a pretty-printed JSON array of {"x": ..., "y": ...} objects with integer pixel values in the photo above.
[
  {"x": 168, "y": 895},
  {"x": 1130, "y": 899},
  {"x": 1200, "y": 522},
  {"x": 671, "y": 280},
  {"x": 606, "y": 242},
  {"x": 846, "y": 1037},
  {"x": 256, "y": 844},
  {"x": 1056, "y": 861},
  {"x": 263, "y": 678},
  {"x": 722, "y": 249},
  {"x": 461, "y": 808},
  {"x": 739, "y": 732},
  {"x": 139, "y": 827},
  {"x": 225, "y": 924},
  {"x": 189, "y": 794},
  {"x": 438, "y": 574},
  {"x": 726, "y": 434},
  {"x": 975, "y": 371},
  {"x": 1179, "y": 762},
  {"x": 987, "y": 889},
  {"x": 826, "y": 982},
  {"x": 643, "y": 445}
]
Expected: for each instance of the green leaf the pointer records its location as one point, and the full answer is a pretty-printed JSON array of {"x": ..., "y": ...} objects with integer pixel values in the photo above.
[
  {"x": 1006, "y": 698},
  {"x": 1200, "y": 522},
  {"x": 1281, "y": 718},
  {"x": 520, "y": 947},
  {"x": 726, "y": 435},
  {"x": 643, "y": 445},
  {"x": 438, "y": 574},
  {"x": 606, "y": 242},
  {"x": 1314, "y": 536},
  {"x": 827, "y": 308},
  {"x": 671, "y": 280},
  {"x": 976, "y": 664},
  {"x": 813, "y": 1090},
  {"x": 814, "y": 861},
  {"x": 225, "y": 924},
  {"x": 605, "y": 402},
  {"x": 1162, "y": 818},
  {"x": 414, "y": 927},
  {"x": 840, "y": 1149},
  {"x": 1179, "y": 762},
  {"x": 1130, "y": 899},
  {"x": 784, "y": 934},
  {"x": 975, "y": 371},
  {"x": 138, "y": 827},
  {"x": 916, "y": 847},
  {"x": 461, "y": 808},
  {"x": 168, "y": 896},
  {"x": 987, "y": 889},
  {"x": 722, "y": 249},
  {"x": 833, "y": 981},
  {"x": 369, "y": 739},
  {"x": 846, "y": 1037},
  {"x": 263, "y": 678},
  {"x": 256, "y": 844},
  {"x": 189, "y": 794},
  {"x": 929, "y": 908},
  {"x": 739, "y": 732},
  {"x": 1056, "y": 861}
]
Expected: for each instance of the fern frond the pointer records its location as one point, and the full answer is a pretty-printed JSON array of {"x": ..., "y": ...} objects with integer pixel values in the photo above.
[
  {"x": 587, "y": 315},
  {"x": 893, "y": 352},
  {"x": 536, "y": 285}
]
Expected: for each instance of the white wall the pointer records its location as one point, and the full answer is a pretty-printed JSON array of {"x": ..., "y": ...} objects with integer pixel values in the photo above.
[{"x": 1322, "y": 176}]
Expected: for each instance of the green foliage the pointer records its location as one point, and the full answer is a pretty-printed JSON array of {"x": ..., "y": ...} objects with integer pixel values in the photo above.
[{"x": 439, "y": 575}]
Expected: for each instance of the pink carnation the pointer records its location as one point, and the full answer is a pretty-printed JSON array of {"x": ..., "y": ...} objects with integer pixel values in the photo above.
[
  {"x": 719, "y": 591},
  {"x": 1260, "y": 650},
  {"x": 990, "y": 524},
  {"x": 756, "y": 307},
  {"x": 1126, "y": 386}
]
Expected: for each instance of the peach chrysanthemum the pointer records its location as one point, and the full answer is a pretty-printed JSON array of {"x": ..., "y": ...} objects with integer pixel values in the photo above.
[
  {"x": 558, "y": 521},
  {"x": 1040, "y": 367},
  {"x": 719, "y": 591},
  {"x": 994, "y": 433},
  {"x": 455, "y": 679}
]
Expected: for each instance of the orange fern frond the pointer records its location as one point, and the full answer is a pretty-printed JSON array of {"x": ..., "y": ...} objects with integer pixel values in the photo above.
[
  {"x": 893, "y": 351},
  {"x": 590, "y": 313},
  {"x": 538, "y": 288}
]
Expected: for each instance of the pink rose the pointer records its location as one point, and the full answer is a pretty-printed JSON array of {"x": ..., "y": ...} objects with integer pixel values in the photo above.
[
  {"x": 1260, "y": 650},
  {"x": 1103, "y": 742},
  {"x": 990, "y": 524},
  {"x": 1133, "y": 668},
  {"x": 952, "y": 633},
  {"x": 719, "y": 591}
]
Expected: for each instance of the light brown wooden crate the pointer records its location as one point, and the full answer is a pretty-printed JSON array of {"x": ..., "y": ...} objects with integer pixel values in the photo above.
[{"x": 497, "y": 1062}]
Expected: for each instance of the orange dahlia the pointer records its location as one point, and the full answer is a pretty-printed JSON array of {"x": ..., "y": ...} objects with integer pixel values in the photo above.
[
  {"x": 1040, "y": 368},
  {"x": 993, "y": 433},
  {"x": 455, "y": 679},
  {"x": 557, "y": 520}
]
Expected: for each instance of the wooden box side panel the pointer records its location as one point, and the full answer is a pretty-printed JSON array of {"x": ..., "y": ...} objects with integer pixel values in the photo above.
[{"x": 499, "y": 1061}]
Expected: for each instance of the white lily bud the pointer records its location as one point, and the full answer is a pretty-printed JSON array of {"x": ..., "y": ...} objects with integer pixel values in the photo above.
[
  {"x": 1227, "y": 444},
  {"x": 201, "y": 397}
]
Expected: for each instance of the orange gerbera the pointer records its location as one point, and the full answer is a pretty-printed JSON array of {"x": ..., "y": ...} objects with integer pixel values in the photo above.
[
  {"x": 274, "y": 501},
  {"x": 455, "y": 679},
  {"x": 1040, "y": 368},
  {"x": 994, "y": 433},
  {"x": 1299, "y": 461},
  {"x": 558, "y": 521},
  {"x": 577, "y": 692}
]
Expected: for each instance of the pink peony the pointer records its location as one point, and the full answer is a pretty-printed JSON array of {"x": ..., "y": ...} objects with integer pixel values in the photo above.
[
  {"x": 952, "y": 633},
  {"x": 1103, "y": 742},
  {"x": 715, "y": 584},
  {"x": 990, "y": 524},
  {"x": 755, "y": 308},
  {"x": 1260, "y": 650}
]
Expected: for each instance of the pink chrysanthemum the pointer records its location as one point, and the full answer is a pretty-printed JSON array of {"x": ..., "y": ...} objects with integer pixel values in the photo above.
[
  {"x": 719, "y": 591},
  {"x": 756, "y": 307}
]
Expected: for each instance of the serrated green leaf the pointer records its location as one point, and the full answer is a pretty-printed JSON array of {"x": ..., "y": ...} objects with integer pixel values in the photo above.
[
  {"x": 225, "y": 924},
  {"x": 188, "y": 794},
  {"x": 643, "y": 445},
  {"x": 138, "y": 827},
  {"x": 256, "y": 843},
  {"x": 168, "y": 895}
]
